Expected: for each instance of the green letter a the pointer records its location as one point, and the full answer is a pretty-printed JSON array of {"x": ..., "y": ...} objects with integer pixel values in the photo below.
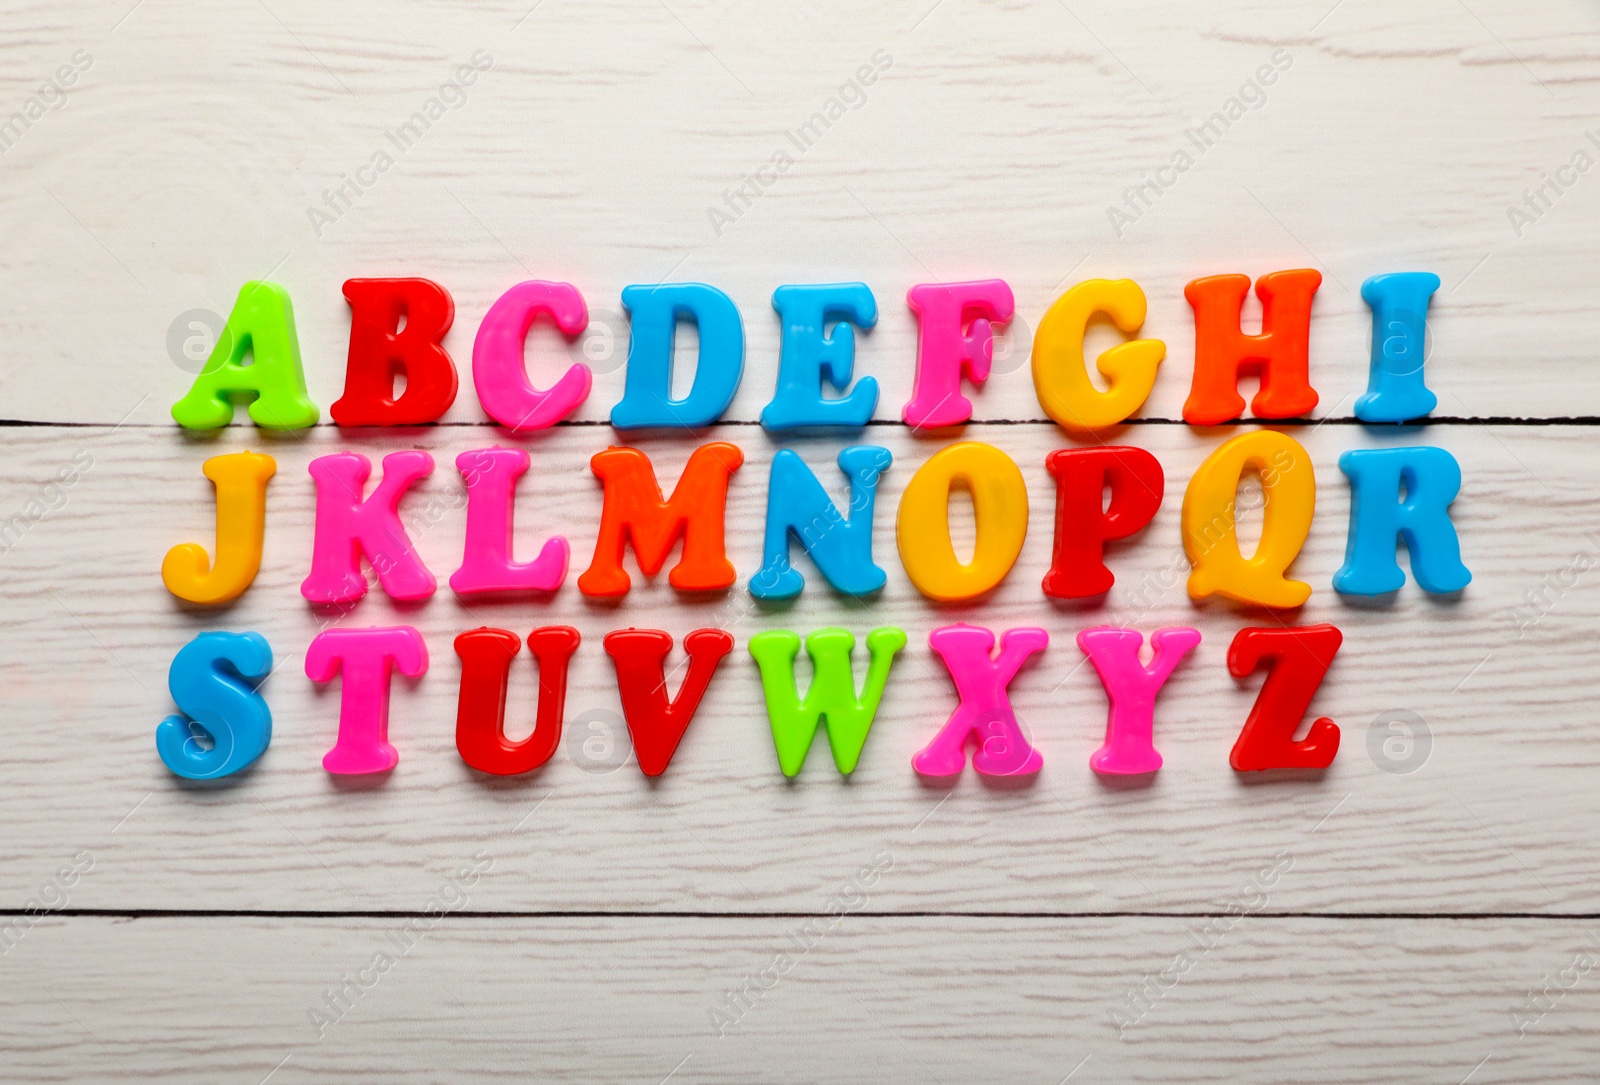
[
  {"x": 832, "y": 695},
  {"x": 261, "y": 325}
]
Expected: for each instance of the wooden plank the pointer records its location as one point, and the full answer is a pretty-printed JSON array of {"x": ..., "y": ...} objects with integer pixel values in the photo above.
[
  {"x": 1493, "y": 817},
  {"x": 600, "y": 140},
  {"x": 937, "y": 999},
  {"x": 603, "y": 146}
]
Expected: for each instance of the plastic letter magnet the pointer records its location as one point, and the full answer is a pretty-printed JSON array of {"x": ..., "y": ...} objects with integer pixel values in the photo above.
[
  {"x": 1397, "y": 390},
  {"x": 241, "y": 484},
  {"x": 224, "y": 723}
]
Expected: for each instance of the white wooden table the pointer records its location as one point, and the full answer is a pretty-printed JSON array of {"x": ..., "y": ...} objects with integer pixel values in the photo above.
[{"x": 1422, "y": 891}]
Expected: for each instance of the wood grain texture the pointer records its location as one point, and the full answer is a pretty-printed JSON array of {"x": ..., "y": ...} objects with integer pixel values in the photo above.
[
  {"x": 937, "y": 1000},
  {"x": 1494, "y": 820},
  {"x": 595, "y": 146},
  {"x": 187, "y": 160}
]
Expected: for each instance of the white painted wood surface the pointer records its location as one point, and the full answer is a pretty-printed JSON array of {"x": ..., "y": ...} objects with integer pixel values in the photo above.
[
  {"x": 184, "y": 163},
  {"x": 928, "y": 999},
  {"x": 594, "y": 147},
  {"x": 723, "y": 829}
]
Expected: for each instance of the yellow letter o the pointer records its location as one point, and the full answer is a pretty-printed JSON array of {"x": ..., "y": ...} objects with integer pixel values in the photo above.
[{"x": 999, "y": 504}]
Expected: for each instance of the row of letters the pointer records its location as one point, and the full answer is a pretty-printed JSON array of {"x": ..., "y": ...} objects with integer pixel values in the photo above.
[
  {"x": 227, "y": 725},
  {"x": 397, "y": 329},
  {"x": 1397, "y": 493}
]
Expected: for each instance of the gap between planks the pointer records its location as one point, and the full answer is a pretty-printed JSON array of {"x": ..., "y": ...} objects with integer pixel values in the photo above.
[{"x": 568, "y": 913}]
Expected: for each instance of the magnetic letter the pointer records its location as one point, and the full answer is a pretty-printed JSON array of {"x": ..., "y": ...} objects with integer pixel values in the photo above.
[
  {"x": 1084, "y": 519},
  {"x": 1279, "y": 354},
  {"x": 1397, "y": 388},
  {"x": 380, "y": 349},
  {"x": 364, "y": 659},
  {"x": 241, "y": 484},
  {"x": 999, "y": 505},
  {"x": 1132, "y": 688},
  {"x": 1431, "y": 478},
  {"x": 655, "y": 723},
  {"x": 498, "y": 371},
  {"x": 1210, "y": 533},
  {"x": 798, "y": 505},
  {"x": 262, "y": 326},
  {"x": 812, "y": 353},
  {"x": 348, "y": 527},
  {"x": 1296, "y": 660},
  {"x": 985, "y": 714},
  {"x": 486, "y": 656},
  {"x": 635, "y": 511},
  {"x": 832, "y": 697},
  {"x": 213, "y": 679},
  {"x": 654, "y": 314},
  {"x": 1060, "y": 378},
  {"x": 956, "y": 339},
  {"x": 491, "y": 475}
]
